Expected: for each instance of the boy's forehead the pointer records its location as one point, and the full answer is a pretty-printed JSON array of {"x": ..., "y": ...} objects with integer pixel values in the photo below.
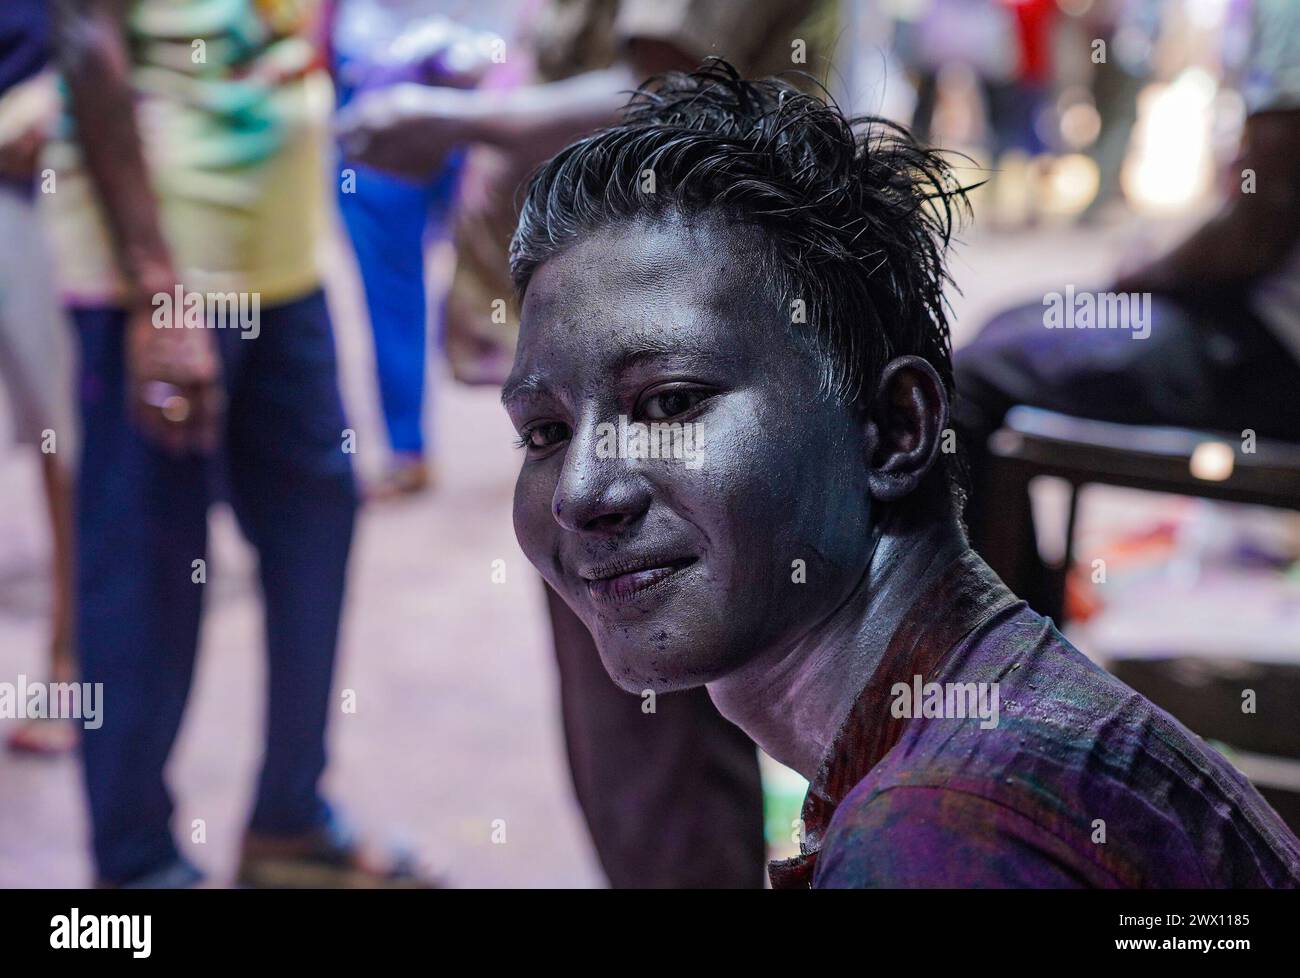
[
  {"x": 643, "y": 275},
  {"x": 663, "y": 294}
]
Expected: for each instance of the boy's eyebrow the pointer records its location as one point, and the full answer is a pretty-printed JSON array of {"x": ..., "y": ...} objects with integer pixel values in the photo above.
[
  {"x": 677, "y": 354},
  {"x": 683, "y": 349},
  {"x": 520, "y": 387},
  {"x": 685, "y": 354}
]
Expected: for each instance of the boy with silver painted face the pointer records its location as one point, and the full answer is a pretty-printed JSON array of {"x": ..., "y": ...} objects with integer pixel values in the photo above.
[{"x": 739, "y": 256}]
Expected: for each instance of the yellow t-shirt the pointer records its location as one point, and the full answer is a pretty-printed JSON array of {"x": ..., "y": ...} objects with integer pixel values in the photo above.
[{"x": 232, "y": 112}]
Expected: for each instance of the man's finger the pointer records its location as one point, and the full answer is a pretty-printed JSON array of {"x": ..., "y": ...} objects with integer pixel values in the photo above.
[
  {"x": 168, "y": 426},
  {"x": 163, "y": 433},
  {"x": 208, "y": 403}
]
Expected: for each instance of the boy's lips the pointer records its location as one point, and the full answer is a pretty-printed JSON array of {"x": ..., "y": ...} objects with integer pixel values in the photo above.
[{"x": 621, "y": 580}]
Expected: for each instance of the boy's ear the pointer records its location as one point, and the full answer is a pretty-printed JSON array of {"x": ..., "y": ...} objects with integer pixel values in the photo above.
[{"x": 904, "y": 423}]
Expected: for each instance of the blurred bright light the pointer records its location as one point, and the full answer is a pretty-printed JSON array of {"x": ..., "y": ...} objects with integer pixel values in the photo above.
[
  {"x": 1132, "y": 48},
  {"x": 1074, "y": 8},
  {"x": 1212, "y": 461},
  {"x": 1207, "y": 14},
  {"x": 912, "y": 10},
  {"x": 1080, "y": 125},
  {"x": 1229, "y": 119},
  {"x": 1071, "y": 185},
  {"x": 1170, "y": 164}
]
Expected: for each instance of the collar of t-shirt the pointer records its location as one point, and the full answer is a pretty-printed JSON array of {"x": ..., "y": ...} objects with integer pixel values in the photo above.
[{"x": 966, "y": 595}]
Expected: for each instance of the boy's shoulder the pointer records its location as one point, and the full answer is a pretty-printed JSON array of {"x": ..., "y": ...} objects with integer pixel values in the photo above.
[{"x": 1081, "y": 781}]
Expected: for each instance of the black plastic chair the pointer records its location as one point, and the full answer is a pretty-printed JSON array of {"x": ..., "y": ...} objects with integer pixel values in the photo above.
[{"x": 1204, "y": 693}]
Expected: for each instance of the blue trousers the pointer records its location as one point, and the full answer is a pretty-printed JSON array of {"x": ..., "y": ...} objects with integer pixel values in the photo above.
[
  {"x": 387, "y": 220},
  {"x": 141, "y": 524}
]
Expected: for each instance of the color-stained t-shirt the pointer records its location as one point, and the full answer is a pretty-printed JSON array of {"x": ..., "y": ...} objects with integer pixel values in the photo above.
[
  {"x": 232, "y": 113},
  {"x": 1065, "y": 778}
]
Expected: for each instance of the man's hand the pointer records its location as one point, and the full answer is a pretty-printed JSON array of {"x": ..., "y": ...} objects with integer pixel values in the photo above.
[
  {"x": 407, "y": 129},
  {"x": 31, "y": 110},
  {"x": 173, "y": 383},
  {"x": 18, "y": 156},
  {"x": 173, "y": 389}
]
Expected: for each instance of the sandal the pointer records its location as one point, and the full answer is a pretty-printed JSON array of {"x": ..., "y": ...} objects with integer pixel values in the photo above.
[
  {"x": 179, "y": 874},
  {"x": 43, "y": 737},
  {"x": 408, "y": 477},
  {"x": 329, "y": 857},
  {"x": 50, "y": 736}
]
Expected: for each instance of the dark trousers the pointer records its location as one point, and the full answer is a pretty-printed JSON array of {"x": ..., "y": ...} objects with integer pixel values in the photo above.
[
  {"x": 141, "y": 524},
  {"x": 1212, "y": 367},
  {"x": 672, "y": 798}
]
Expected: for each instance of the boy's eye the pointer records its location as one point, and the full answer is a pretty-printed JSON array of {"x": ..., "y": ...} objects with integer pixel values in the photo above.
[
  {"x": 670, "y": 403},
  {"x": 544, "y": 435}
]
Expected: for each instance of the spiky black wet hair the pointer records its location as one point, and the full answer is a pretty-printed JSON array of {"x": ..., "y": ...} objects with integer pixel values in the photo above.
[{"x": 857, "y": 217}]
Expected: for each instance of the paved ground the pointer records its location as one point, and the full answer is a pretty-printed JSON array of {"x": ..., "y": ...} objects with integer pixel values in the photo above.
[{"x": 456, "y": 723}]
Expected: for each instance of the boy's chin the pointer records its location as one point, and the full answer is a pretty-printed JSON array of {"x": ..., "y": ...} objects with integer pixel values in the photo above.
[{"x": 634, "y": 671}]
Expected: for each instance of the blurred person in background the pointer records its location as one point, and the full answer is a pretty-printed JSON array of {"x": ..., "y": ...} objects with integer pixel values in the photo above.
[
  {"x": 374, "y": 44},
  {"x": 1006, "y": 45},
  {"x": 1223, "y": 350},
  {"x": 673, "y": 799},
  {"x": 1130, "y": 29},
  {"x": 35, "y": 354},
  {"x": 193, "y": 162}
]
